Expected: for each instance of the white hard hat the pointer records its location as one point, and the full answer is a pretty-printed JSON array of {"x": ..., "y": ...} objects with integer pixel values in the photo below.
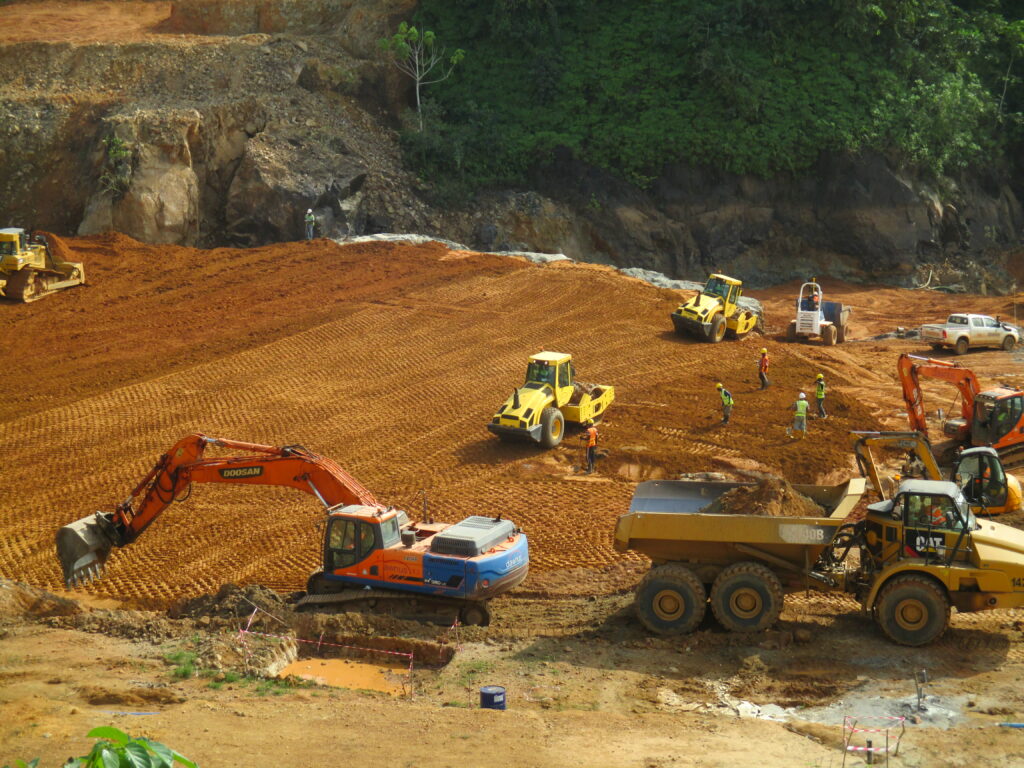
[
  {"x": 309, "y": 210},
  {"x": 803, "y": 396}
]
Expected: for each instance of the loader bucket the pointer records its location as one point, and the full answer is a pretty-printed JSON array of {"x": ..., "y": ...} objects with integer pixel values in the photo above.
[{"x": 83, "y": 547}]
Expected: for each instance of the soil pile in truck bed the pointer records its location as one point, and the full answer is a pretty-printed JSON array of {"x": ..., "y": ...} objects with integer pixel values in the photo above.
[{"x": 772, "y": 497}]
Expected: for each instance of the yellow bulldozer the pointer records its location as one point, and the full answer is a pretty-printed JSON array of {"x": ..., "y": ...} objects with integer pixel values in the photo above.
[
  {"x": 715, "y": 312},
  {"x": 31, "y": 269},
  {"x": 550, "y": 397}
]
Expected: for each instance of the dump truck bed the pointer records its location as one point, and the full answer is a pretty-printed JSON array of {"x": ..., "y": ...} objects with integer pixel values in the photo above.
[{"x": 665, "y": 522}]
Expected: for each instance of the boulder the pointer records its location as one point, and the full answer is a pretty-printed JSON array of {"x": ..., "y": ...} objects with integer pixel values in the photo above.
[
  {"x": 279, "y": 178},
  {"x": 161, "y": 201}
]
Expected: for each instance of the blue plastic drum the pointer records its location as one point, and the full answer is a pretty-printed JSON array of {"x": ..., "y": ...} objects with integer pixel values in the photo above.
[{"x": 492, "y": 697}]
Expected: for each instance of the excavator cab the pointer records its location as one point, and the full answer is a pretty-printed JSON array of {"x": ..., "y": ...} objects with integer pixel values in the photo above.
[{"x": 981, "y": 477}]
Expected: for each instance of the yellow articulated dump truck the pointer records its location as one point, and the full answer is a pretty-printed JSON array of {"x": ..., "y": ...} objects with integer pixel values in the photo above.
[
  {"x": 715, "y": 312},
  {"x": 548, "y": 400},
  {"x": 922, "y": 553},
  {"x": 31, "y": 269}
]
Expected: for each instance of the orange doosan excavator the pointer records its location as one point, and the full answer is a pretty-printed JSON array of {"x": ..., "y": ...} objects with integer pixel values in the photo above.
[
  {"x": 374, "y": 558},
  {"x": 994, "y": 417}
]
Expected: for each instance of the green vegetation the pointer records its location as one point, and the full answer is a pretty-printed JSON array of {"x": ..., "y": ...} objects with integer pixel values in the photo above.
[
  {"x": 116, "y": 749},
  {"x": 117, "y": 170},
  {"x": 749, "y": 86},
  {"x": 184, "y": 663},
  {"x": 421, "y": 57}
]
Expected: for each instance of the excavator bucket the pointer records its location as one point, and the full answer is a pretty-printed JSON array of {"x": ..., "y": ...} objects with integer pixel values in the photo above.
[{"x": 83, "y": 547}]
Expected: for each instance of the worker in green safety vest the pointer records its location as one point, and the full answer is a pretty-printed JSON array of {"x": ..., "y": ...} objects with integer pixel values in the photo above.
[
  {"x": 799, "y": 428},
  {"x": 819, "y": 394},
  {"x": 727, "y": 402}
]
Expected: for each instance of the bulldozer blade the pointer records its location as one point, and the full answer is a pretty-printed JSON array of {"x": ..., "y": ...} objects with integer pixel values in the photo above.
[{"x": 82, "y": 548}]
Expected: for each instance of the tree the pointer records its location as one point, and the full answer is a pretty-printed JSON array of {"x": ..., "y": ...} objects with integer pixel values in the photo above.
[{"x": 418, "y": 54}]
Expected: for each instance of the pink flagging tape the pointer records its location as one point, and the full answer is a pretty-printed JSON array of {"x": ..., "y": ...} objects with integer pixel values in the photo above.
[{"x": 320, "y": 642}]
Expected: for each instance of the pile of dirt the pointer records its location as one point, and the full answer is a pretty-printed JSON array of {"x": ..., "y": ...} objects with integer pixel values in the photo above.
[
  {"x": 771, "y": 497},
  {"x": 131, "y": 625},
  {"x": 231, "y": 602}
]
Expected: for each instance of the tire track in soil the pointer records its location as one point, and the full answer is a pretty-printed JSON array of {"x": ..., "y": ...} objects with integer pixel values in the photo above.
[{"x": 391, "y": 366}]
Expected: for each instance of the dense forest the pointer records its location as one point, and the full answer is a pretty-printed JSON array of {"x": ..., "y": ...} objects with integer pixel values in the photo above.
[{"x": 749, "y": 86}]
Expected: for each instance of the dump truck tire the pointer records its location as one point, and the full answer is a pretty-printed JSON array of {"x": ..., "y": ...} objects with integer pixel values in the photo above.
[
  {"x": 962, "y": 345},
  {"x": 791, "y": 332},
  {"x": 844, "y": 334},
  {"x": 912, "y": 610},
  {"x": 717, "y": 329},
  {"x": 670, "y": 600},
  {"x": 828, "y": 335},
  {"x": 552, "y": 427},
  {"x": 746, "y": 597}
]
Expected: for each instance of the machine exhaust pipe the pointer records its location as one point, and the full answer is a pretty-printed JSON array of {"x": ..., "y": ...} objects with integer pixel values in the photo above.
[{"x": 84, "y": 546}]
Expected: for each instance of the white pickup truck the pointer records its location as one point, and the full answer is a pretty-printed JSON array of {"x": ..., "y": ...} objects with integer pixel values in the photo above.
[{"x": 963, "y": 331}]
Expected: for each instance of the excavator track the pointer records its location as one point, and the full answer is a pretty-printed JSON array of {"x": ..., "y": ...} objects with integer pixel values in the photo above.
[
  {"x": 424, "y": 608},
  {"x": 1012, "y": 457}
]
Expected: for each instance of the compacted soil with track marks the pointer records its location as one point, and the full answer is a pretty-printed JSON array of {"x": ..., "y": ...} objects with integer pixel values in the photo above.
[{"x": 391, "y": 358}]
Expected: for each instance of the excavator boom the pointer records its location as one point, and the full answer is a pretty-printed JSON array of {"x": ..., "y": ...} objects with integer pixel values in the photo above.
[
  {"x": 84, "y": 545},
  {"x": 912, "y": 367}
]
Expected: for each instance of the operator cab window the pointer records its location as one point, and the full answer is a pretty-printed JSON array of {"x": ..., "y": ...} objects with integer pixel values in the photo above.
[
  {"x": 716, "y": 287},
  {"x": 1006, "y": 415},
  {"x": 540, "y": 372},
  {"x": 981, "y": 476},
  {"x": 929, "y": 512},
  {"x": 7, "y": 248},
  {"x": 563, "y": 375},
  {"x": 348, "y": 542}
]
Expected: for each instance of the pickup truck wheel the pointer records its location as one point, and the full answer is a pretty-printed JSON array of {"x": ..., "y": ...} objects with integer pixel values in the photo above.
[
  {"x": 670, "y": 600},
  {"x": 791, "y": 332},
  {"x": 962, "y": 344},
  {"x": 746, "y": 597},
  {"x": 828, "y": 335},
  {"x": 717, "y": 331},
  {"x": 1009, "y": 343},
  {"x": 552, "y": 427},
  {"x": 912, "y": 610}
]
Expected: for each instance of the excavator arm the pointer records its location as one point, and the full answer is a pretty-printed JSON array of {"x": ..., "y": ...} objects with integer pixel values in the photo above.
[
  {"x": 84, "y": 545},
  {"x": 912, "y": 367},
  {"x": 906, "y": 441}
]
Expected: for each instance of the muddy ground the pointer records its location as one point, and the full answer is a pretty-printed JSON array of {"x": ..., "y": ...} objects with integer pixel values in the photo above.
[{"x": 391, "y": 359}]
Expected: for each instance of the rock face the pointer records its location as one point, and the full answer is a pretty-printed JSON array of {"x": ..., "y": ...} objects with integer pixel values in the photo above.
[
  {"x": 852, "y": 218},
  {"x": 161, "y": 201},
  {"x": 240, "y": 116},
  {"x": 279, "y": 179}
]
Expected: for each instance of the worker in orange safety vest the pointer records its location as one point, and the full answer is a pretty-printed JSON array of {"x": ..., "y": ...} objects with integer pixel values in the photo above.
[
  {"x": 591, "y": 437},
  {"x": 762, "y": 369}
]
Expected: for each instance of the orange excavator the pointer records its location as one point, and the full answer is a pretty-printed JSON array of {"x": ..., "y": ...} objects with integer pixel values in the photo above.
[
  {"x": 994, "y": 417},
  {"x": 374, "y": 558}
]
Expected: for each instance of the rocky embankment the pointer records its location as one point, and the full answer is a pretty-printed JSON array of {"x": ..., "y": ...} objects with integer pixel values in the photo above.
[{"x": 211, "y": 122}]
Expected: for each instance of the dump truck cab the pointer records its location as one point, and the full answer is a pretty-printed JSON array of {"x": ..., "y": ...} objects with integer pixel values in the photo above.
[
  {"x": 549, "y": 398},
  {"x": 714, "y": 311},
  {"x": 924, "y": 551}
]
